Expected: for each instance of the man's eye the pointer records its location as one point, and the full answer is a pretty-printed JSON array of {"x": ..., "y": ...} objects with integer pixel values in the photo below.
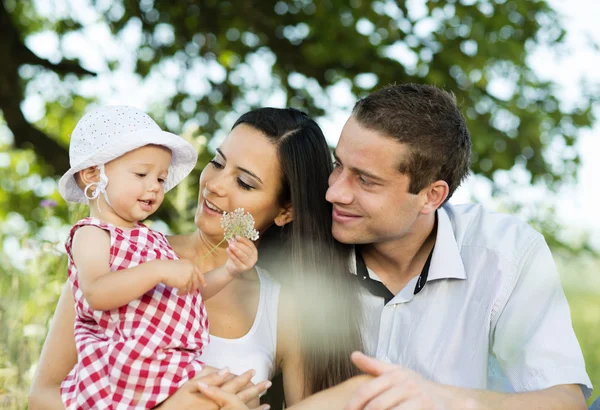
[{"x": 365, "y": 181}]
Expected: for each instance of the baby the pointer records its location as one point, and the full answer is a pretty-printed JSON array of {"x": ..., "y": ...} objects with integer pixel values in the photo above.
[{"x": 140, "y": 321}]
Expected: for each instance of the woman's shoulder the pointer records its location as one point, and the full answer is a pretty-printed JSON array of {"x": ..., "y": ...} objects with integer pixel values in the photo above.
[{"x": 269, "y": 288}]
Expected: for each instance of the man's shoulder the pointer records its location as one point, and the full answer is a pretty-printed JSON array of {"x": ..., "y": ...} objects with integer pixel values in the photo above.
[{"x": 475, "y": 226}]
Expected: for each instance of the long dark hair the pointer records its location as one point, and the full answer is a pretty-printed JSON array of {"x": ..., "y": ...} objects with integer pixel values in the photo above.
[{"x": 303, "y": 255}]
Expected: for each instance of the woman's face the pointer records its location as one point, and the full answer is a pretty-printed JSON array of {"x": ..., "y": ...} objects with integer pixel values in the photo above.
[{"x": 245, "y": 173}]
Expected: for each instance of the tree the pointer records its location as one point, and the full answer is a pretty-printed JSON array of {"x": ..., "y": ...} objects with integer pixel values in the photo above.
[{"x": 477, "y": 49}]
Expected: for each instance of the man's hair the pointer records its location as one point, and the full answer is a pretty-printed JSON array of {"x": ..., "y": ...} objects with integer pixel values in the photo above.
[{"x": 428, "y": 121}]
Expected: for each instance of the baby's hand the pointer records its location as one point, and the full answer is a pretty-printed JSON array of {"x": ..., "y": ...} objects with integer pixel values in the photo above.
[
  {"x": 242, "y": 256},
  {"x": 183, "y": 275}
]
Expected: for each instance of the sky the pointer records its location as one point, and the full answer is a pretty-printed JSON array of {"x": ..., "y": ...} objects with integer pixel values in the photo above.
[{"x": 576, "y": 204}]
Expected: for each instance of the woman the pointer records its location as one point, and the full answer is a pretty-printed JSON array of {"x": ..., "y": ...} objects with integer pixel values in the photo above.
[{"x": 275, "y": 164}]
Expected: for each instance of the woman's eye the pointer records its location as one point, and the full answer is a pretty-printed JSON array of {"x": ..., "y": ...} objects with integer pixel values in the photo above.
[
  {"x": 244, "y": 185},
  {"x": 215, "y": 164}
]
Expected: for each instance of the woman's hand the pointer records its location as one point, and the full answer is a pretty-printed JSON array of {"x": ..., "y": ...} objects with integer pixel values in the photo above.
[
  {"x": 235, "y": 393},
  {"x": 243, "y": 255},
  {"x": 190, "y": 397}
]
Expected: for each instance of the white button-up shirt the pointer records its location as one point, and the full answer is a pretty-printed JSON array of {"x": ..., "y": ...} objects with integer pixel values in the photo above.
[{"x": 492, "y": 314}]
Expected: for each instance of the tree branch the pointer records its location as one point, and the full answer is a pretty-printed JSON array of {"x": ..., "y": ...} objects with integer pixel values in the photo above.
[
  {"x": 27, "y": 136},
  {"x": 11, "y": 94}
]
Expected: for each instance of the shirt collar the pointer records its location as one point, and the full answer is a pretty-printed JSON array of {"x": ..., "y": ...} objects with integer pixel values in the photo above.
[{"x": 446, "y": 262}]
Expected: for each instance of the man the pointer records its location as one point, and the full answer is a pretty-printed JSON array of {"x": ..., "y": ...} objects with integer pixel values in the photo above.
[{"x": 459, "y": 301}]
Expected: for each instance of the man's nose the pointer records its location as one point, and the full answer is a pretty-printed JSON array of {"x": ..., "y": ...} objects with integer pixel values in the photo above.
[{"x": 340, "y": 189}]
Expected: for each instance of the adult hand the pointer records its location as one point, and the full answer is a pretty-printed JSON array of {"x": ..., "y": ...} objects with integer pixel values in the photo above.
[
  {"x": 188, "y": 396},
  {"x": 243, "y": 255},
  {"x": 235, "y": 393},
  {"x": 394, "y": 388}
]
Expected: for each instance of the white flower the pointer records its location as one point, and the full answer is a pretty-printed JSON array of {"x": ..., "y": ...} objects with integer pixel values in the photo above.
[{"x": 238, "y": 223}]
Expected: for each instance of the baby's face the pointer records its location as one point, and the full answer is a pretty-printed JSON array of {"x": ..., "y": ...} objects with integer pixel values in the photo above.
[{"x": 136, "y": 184}]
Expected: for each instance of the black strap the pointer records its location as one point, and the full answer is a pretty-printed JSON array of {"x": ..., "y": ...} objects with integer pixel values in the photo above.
[{"x": 377, "y": 288}]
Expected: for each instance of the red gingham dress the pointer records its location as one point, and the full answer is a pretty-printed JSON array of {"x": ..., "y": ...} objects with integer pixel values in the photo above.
[{"x": 139, "y": 354}]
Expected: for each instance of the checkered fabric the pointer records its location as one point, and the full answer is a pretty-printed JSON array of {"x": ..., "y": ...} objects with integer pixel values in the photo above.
[{"x": 139, "y": 354}]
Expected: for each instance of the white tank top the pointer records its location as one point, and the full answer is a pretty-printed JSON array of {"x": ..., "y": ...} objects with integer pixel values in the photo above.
[{"x": 256, "y": 349}]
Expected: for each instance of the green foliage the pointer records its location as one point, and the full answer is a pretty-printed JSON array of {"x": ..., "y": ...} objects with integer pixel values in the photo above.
[
  {"x": 309, "y": 47},
  {"x": 316, "y": 45},
  {"x": 581, "y": 280},
  {"x": 28, "y": 295}
]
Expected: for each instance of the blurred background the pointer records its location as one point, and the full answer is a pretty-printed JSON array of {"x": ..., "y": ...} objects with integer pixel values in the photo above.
[{"x": 525, "y": 73}]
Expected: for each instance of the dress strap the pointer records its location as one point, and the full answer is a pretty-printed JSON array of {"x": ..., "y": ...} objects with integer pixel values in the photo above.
[
  {"x": 85, "y": 222},
  {"x": 269, "y": 294}
]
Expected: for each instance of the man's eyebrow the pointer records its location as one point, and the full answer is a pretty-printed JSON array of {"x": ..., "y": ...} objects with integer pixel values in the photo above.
[
  {"x": 247, "y": 171},
  {"x": 358, "y": 170}
]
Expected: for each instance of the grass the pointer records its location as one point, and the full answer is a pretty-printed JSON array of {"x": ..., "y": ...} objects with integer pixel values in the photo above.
[{"x": 585, "y": 312}]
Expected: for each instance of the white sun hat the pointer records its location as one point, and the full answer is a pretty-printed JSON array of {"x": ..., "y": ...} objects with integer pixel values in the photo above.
[{"x": 110, "y": 132}]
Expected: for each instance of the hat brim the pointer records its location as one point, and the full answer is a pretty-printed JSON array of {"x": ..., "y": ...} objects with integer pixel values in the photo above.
[{"x": 183, "y": 160}]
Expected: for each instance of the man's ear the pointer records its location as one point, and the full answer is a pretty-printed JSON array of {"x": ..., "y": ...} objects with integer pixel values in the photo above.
[
  {"x": 285, "y": 216},
  {"x": 434, "y": 196},
  {"x": 87, "y": 176}
]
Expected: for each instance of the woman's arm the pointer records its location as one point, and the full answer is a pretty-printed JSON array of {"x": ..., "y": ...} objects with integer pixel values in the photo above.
[
  {"x": 334, "y": 398},
  {"x": 289, "y": 356},
  {"x": 58, "y": 357},
  {"x": 242, "y": 256},
  {"x": 290, "y": 363}
]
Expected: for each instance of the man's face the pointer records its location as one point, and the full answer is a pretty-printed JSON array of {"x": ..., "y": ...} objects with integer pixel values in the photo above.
[{"x": 370, "y": 198}]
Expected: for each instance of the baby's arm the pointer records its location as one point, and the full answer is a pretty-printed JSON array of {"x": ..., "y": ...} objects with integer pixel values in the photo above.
[
  {"x": 242, "y": 257},
  {"x": 106, "y": 290}
]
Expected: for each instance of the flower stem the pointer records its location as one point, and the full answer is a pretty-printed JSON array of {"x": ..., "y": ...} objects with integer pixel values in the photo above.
[{"x": 211, "y": 251}]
